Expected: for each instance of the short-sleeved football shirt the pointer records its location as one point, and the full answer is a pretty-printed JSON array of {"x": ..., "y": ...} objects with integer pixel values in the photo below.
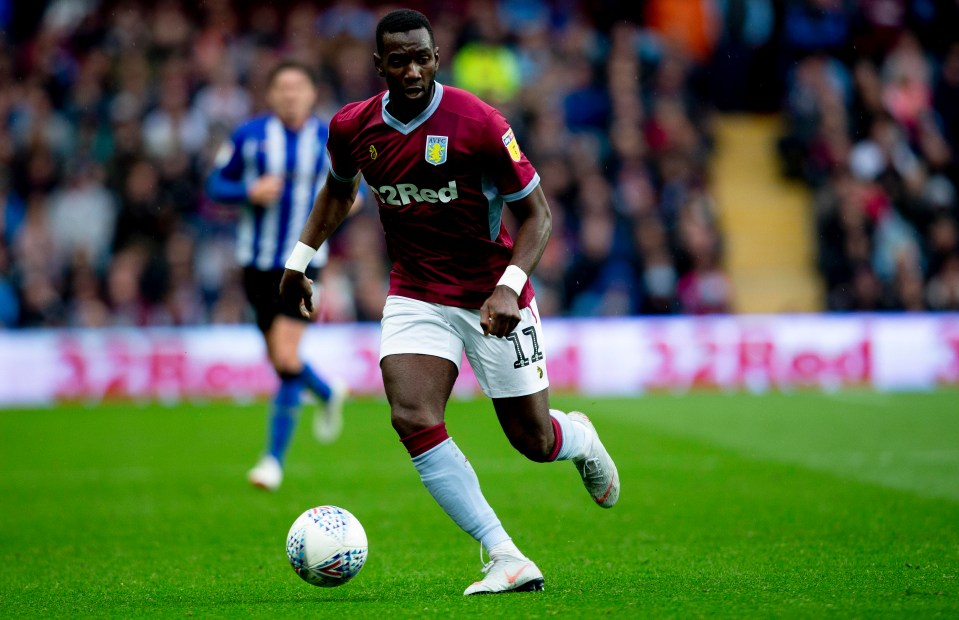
[{"x": 441, "y": 181}]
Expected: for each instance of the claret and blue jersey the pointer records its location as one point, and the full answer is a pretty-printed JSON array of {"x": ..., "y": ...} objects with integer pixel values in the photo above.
[
  {"x": 441, "y": 181},
  {"x": 263, "y": 145}
]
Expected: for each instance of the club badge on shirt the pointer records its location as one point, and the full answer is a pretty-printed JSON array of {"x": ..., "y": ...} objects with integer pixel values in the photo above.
[
  {"x": 509, "y": 140},
  {"x": 436, "y": 147}
]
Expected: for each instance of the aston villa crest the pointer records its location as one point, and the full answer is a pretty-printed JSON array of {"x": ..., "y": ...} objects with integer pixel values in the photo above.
[{"x": 436, "y": 147}]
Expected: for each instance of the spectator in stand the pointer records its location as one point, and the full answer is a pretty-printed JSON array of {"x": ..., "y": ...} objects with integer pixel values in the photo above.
[
  {"x": 655, "y": 266},
  {"x": 82, "y": 216},
  {"x": 947, "y": 98},
  {"x": 174, "y": 127},
  {"x": 743, "y": 74},
  {"x": 600, "y": 282},
  {"x": 816, "y": 26},
  {"x": 223, "y": 103},
  {"x": 704, "y": 288},
  {"x": 943, "y": 290},
  {"x": 483, "y": 64},
  {"x": 691, "y": 25}
]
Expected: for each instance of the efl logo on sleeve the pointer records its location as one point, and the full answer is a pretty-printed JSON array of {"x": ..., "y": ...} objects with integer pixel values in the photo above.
[
  {"x": 436, "y": 147},
  {"x": 224, "y": 154},
  {"x": 509, "y": 140}
]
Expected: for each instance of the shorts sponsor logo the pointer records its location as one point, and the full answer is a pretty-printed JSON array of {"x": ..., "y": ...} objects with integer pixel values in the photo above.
[
  {"x": 436, "y": 147},
  {"x": 405, "y": 193},
  {"x": 509, "y": 141}
]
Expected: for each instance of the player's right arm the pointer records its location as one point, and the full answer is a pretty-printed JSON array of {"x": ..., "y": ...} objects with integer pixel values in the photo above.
[
  {"x": 226, "y": 184},
  {"x": 332, "y": 205}
]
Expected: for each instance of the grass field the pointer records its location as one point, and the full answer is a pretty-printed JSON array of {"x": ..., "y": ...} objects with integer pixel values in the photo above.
[{"x": 783, "y": 505}]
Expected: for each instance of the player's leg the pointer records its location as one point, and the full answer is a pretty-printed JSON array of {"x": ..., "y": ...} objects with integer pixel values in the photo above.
[
  {"x": 545, "y": 435},
  {"x": 282, "y": 335},
  {"x": 331, "y": 394},
  {"x": 268, "y": 471},
  {"x": 283, "y": 346},
  {"x": 512, "y": 371},
  {"x": 419, "y": 358}
]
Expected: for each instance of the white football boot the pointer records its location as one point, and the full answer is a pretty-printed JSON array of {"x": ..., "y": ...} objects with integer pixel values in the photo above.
[
  {"x": 267, "y": 474},
  {"x": 597, "y": 468},
  {"x": 508, "y": 573},
  {"x": 328, "y": 416}
]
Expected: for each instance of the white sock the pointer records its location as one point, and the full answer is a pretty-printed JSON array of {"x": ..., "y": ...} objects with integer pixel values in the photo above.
[
  {"x": 576, "y": 437},
  {"x": 450, "y": 479},
  {"x": 507, "y": 547}
]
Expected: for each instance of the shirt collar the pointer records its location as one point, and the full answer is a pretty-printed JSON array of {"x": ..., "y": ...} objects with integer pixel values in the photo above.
[{"x": 422, "y": 117}]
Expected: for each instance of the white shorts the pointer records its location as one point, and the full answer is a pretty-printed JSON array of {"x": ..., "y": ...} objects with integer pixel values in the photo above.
[{"x": 504, "y": 367}]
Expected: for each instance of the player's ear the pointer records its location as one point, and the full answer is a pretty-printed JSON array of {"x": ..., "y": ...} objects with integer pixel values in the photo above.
[
  {"x": 377, "y": 60},
  {"x": 436, "y": 56}
]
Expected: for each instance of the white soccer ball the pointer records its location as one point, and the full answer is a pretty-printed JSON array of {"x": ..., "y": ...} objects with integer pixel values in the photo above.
[{"x": 326, "y": 546}]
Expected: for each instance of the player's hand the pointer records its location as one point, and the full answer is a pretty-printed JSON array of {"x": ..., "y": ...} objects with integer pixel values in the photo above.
[
  {"x": 296, "y": 291},
  {"x": 499, "y": 314},
  {"x": 265, "y": 190}
]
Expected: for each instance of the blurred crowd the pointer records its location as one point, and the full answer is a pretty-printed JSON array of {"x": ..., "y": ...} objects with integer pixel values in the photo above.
[
  {"x": 111, "y": 113},
  {"x": 873, "y": 108}
]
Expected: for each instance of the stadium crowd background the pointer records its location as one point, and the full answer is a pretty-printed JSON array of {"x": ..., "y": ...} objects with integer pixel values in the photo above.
[{"x": 111, "y": 113}]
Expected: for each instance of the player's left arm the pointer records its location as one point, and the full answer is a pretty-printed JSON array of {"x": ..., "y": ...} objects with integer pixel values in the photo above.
[{"x": 499, "y": 314}]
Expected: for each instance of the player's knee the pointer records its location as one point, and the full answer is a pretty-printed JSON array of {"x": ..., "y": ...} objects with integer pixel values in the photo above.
[
  {"x": 409, "y": 419},
  {"x": 286, "y": 363}
]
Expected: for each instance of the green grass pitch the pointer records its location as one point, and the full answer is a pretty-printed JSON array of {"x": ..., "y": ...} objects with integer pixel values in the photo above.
[{"x": 782, "y": 505}]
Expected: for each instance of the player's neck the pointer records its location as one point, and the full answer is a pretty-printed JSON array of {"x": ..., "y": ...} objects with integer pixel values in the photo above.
[
  {"x": 404, "y": 110},
  {"x": 294, "y": 124}
]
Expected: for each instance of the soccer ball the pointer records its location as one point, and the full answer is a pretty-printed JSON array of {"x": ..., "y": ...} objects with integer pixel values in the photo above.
[{"x": 326, "y": 546}]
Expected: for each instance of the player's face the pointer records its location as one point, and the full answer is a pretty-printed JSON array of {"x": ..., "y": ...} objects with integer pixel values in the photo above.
[
  {"x": 292, "y": 97},
  {"x": 409, "y": 64}
]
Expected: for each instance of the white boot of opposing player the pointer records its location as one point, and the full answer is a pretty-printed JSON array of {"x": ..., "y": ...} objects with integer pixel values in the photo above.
[
  {"x": 596, "y": 467},
  {"x": 267, "y": 474},
  {"x": 328, "y": 416},
  {"x": 507, "y": 571}
]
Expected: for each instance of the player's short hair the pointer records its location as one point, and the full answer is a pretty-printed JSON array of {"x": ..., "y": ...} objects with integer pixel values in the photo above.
[
  {"x": 402, "y": 20},
  {"x": 291, "y": 64}
]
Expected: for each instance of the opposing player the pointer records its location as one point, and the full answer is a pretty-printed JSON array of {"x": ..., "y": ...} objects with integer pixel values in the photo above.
[
  {"x": 442, "y": 164},
  {"x": 273, "y": 166}
]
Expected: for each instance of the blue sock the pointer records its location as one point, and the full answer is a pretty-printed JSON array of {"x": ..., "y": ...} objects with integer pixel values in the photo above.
[
  {"x": 283, "y": 419},
  {"x": 315, "y": 384}
]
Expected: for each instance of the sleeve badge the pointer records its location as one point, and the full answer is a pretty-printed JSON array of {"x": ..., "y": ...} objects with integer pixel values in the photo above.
[{"x": 509, "y": 141}]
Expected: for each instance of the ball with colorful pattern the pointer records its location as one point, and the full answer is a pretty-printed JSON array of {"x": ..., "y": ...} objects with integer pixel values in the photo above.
[{"x": 326, "y": 546}]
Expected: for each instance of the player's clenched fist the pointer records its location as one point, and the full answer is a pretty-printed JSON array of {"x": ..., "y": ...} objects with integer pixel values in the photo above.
[
  {"x": 499, "y": 314},
  {"x": 296, "y": 291},
  {"x": 266, "y": 190}
]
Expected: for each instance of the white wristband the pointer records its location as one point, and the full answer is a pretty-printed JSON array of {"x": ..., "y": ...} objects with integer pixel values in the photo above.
[
  {"x": 515, "y": 278},
  {"x": 300, "y": 257}
]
